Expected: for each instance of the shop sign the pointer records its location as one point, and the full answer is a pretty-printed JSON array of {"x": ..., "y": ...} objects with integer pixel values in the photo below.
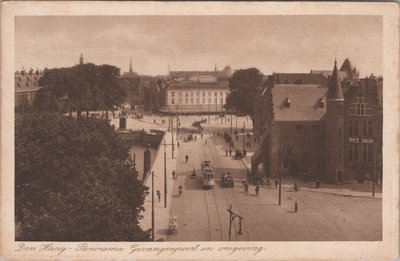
[{"x": 361, "y": 140}]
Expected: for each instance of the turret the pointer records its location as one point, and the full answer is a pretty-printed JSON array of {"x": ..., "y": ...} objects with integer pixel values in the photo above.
[
  {"x": 81, "y": 59},
  {"x": 334, "y": 130},
  {"x": 130, "y": 66}
]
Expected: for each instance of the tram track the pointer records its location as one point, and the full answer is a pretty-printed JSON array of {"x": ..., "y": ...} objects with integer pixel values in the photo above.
[
  {"x": 210, "y": 228},
  {"x": 233, "y": 196}
]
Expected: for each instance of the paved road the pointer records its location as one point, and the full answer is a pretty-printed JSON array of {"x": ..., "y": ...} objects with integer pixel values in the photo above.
[{"x": 202, "y": 214}]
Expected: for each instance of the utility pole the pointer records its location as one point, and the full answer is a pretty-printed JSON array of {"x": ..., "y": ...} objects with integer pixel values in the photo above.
[
  {"x": 244, "y": 127},
  {"x": 152, "y": 206},
  {"x": 172, "y": 137},
  {"x": 280, "y": 188},
  {"x": 165, "y": 175},
  {"x": 236, "y": 123},
  {"x": 232, "y": 216},
  {"x": 231, "y": 123},
  {"x": 374, "y": 172}
]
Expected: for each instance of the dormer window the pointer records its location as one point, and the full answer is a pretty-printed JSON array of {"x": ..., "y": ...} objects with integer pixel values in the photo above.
[
  {"x": 321, "y": 103},
  {"x": 287, "y": 102}
]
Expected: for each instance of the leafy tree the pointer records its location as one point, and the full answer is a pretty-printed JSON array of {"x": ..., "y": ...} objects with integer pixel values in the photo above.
[
  {"x": 74, "y": 182},
  {"x": 80, "y": 88},
  {"x": 243, "y": 85}
]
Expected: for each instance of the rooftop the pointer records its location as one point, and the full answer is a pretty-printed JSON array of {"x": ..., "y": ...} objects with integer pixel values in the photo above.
[{"x": 304, "y": 102}]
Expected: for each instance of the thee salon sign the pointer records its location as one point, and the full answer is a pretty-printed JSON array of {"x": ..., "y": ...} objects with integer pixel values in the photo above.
[{"x": 361, "y": 140}]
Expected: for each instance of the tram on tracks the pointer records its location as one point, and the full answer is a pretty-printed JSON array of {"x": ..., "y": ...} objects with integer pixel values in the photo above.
[{"x": 207, "y": 174}]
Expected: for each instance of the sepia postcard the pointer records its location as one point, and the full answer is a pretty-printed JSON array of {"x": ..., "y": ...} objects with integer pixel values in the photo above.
[{"x": 199, "y": 131}]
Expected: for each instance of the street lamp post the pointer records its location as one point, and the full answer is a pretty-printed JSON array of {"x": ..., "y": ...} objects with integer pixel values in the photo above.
[
  {"x": 244, "y": 127},
  {"x": 165, "y": 176},
  {"x": 165, "y": 170},
  {"x": 152, "y": 206},
  {"x": 236, "y": 123},
  {"x": 231, "y": 123}
]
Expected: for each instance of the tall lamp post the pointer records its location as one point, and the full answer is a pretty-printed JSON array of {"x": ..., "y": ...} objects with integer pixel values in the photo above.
[
  {"x": 165, "y": 170},
  {"x": 244, "y": 127},
  {"x": 152, "y": 206},
  {"x": 231, "y": 123}
]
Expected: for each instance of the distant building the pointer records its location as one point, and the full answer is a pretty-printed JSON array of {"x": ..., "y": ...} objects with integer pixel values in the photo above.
[
  {"x": 25, "y": 89},
  {"x": 154, "y": 98},
  {"x": 197, "y": 91},
  {"x": 135, "y": 87},
  {"x": 328, "y": 125}
]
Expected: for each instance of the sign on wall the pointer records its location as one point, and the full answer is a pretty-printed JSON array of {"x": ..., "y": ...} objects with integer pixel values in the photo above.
[{"x": 361, "y": 140}]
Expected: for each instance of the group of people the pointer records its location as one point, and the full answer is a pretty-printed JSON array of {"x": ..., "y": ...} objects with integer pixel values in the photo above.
[{"x": 245, "y": 184}]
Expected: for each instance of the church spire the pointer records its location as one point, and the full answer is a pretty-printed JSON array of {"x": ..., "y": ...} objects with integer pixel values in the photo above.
[
  {"x": 130, "y": 66},
  {"x": 335, "y": 88},
  {"x": 81, "y": 59}
]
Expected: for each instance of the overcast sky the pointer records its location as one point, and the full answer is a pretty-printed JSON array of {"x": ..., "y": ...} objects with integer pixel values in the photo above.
[{"x": 270, "y": 43}]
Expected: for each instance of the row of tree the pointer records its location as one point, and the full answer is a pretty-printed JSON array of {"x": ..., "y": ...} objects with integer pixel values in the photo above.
[
  {"x": 80, "y": 88},
  {"x": 74, "y": 181}
]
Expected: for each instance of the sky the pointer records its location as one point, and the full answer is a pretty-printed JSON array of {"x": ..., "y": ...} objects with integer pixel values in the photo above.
[{"x": 269, "y": 43}]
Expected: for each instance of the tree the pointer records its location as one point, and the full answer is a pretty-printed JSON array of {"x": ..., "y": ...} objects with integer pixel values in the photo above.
[
  {"x": 74, "y": 182},
  {"x": 80, "y": 88},
  {"x": 243, "y": 85}
]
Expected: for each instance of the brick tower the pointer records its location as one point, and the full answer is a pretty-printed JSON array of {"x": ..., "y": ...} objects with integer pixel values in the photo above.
[{"x": 334, "y": 130}]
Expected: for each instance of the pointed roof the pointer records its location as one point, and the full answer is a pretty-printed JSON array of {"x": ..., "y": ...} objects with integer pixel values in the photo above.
[
  {"x": 335, "y": 88},
  {"x": 130, "y": 66},
  {"x": 347, "y": 67}
]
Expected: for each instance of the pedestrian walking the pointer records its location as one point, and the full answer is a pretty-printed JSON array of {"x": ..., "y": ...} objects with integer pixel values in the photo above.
[
  {"x": 201, "y": 135},
  {"x": 206, "y": 141},
  {"x": 317, "y": 183},
  {"x": 246, "y": 187},
  {"x": 187, "y": 158},
  {"x": 276, "y": 184},
  {"x": 177, "y": 144},
  {"x": 230, "y": 152},
  {"x": 195, "y": 138},
  {"x": 154, "y": 120},
  {"x": 295, "y": 187},
  {"x": 226, "y": 153},
  {"x": 257, "y": 189},
  {"x": 173, "y": 174},
  {"x": 180, "y": 190},
  {"x": 267, "y": 182},
  {"x": 159, "y": 195},
  {"x": 295, "y": 207}
]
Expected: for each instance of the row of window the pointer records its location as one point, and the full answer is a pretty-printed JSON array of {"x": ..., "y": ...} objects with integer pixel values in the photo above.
[
  {"x": 203, "y": 94},
  {"x": 354, "y": 151},
  {"x": 360, "y": 106},
  {"x": 196, "y": 101},
  {"x": 354, "y": 128}
]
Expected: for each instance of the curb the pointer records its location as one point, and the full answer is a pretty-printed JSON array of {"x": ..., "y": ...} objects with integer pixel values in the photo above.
[{"x": 336, "y": 194}]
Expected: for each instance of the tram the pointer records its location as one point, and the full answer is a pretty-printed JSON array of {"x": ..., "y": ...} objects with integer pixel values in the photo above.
[{"x": 207, "y": 174}]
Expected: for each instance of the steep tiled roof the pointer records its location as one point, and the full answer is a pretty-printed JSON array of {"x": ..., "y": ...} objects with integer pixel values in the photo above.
[
  {"x": 328, "y": 73},
  {"x": 335, "y": 88},
  {"x": 304, "y": 102},
  {"x": 299, "y": 78}
]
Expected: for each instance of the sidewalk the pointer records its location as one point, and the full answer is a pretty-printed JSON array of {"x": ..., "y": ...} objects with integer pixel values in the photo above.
[{"x": 161, "y": 214}]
